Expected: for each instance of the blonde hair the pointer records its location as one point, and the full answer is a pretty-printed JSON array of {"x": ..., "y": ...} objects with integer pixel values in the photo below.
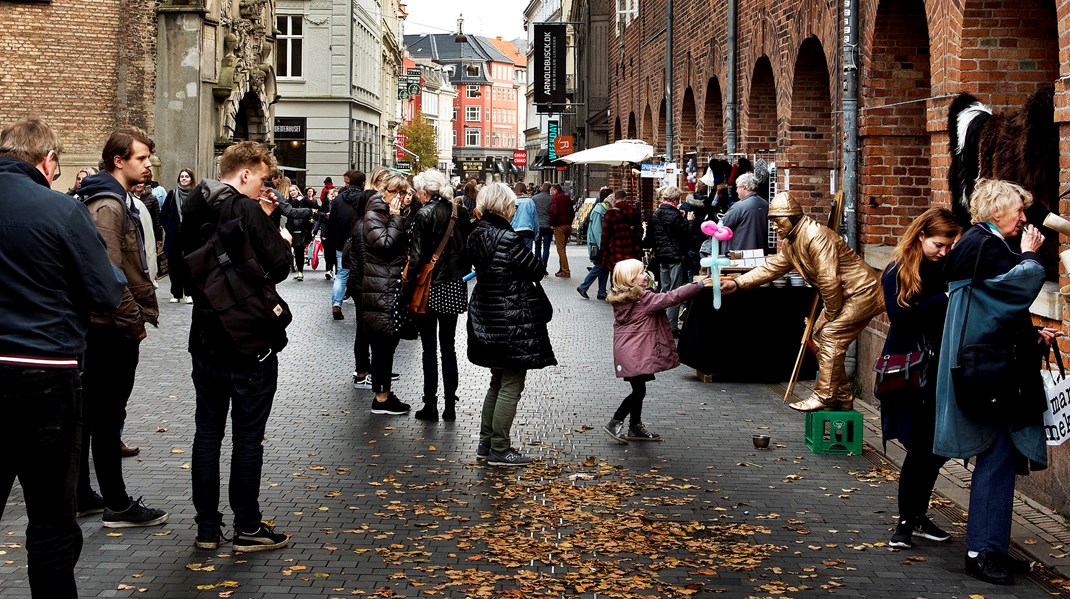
[
  {"x": 393, "y": 179},
  {"x": 625, "y": 271},
  {"x": 495, "y": 197},
  {"x": 993, "y": 197},
  {"x": 284, "y": 188}
]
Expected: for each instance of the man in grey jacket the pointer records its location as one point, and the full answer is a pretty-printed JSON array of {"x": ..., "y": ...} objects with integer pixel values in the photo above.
[{"x": 748, "y": 218}]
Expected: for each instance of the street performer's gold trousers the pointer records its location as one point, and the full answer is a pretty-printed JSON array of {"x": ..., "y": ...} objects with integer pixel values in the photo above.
[{"x": 832, "y": 386}]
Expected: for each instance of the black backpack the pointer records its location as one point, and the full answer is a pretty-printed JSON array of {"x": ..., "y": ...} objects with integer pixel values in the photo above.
[{"x": 230, "y": 283}]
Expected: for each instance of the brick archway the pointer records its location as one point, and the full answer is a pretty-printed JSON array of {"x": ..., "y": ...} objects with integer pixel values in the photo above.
[
  {"x": 712, "y": 119},
  {"x": 1009, "y": 47},
  {"x": 616, "y": 129},
  {"x": 760, "y": 115},
  {"x": 659, "y": 129},
  {"x": 686, "y": 127},
  {"x": 647, "y": 126},
  {"x": 809, "y": 142},
  {"x": 633, "y": 132},
  {"x": 895, "y": 146}
]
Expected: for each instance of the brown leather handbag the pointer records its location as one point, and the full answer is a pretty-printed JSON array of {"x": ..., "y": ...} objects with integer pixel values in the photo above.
[{"x": 421, "y": 290}]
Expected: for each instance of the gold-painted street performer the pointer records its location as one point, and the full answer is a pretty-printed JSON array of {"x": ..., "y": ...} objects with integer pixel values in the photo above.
[{"x": 850, "y": 289}]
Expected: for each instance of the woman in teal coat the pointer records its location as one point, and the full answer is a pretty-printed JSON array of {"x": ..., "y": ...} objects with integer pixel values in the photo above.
[{"x": 1009, "y": 276}]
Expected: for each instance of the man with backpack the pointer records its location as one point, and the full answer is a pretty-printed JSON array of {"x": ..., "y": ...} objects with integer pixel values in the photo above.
[
  {"x": 235, "y": 354},
  {"x": 593, "y": 232},
  {"x": 113, "y": 342}
]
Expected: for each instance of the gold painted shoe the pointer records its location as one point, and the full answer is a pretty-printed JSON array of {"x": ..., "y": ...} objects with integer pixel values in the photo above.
[
  {"x": 841, "y": 405},
  {"x": 812, "y": 404}
]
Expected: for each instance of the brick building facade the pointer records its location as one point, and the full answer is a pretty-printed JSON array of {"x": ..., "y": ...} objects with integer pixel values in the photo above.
[
  {"x": 913, "y": 57},
  {"x": 85, "y": 76},
  {"x": 196, "y": 74}
]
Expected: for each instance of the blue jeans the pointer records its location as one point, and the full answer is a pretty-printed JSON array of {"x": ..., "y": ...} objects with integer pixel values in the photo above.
[
  {"x": 992, "y": 497},
  {"x": 543, "y": 240},
  {"x": 599, "y": 271},
  {"x": 43, "y": 411},
  {"x": 248, "y": 390},
  {"x": 338, "y": 291}
]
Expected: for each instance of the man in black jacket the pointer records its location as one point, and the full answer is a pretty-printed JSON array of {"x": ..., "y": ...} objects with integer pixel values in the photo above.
[
  {"x": 44, "y": 315},
  {"x": 667, "y": 234},
  {"x": 222, "y": 375},
  {"x": 343, "y": 209}
]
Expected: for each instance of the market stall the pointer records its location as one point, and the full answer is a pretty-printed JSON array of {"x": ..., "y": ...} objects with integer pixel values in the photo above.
[{"x": 754, "y": 337}]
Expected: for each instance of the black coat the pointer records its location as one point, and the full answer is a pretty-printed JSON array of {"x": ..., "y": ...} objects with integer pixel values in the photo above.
[
  {"x": 383, "y": 241},
  {"x": 428, "y": 229},
  {"x": 668, "y": 234},
  {"x": 343, "y": 209},
  {"x": 508, "y": 311}
]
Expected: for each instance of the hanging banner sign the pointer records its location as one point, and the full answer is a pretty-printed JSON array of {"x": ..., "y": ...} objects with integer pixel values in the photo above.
[
  {"x": 520, "y": 157},
  {"x": 549, "y": 67},
  {"x": 551, "y": 138}
]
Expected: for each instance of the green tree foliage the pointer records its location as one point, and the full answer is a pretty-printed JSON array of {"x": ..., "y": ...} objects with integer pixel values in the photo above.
[{"x": 420, "y": 140}]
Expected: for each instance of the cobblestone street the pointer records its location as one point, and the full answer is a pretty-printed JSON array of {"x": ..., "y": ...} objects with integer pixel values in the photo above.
[{"x": 395, "y": 507}]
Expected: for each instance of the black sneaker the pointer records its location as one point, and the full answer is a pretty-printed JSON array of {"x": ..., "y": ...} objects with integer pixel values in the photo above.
[
  {"x": 637, "y": 431},
  {"x": 429, "y": 412},
  {"x": 1015, "y": 565},
  {"x": 615, "y": 429},
  {"x": 210, "y": 541},
  {"x": 483, "y": 450},
  {"x": 987, "y": 567},
  {"x": 263, "y": 539},
  {"x": 924, "y": 528},
  {"x": 393, "y": 376},
  {"x": 87, "y": 506},
  {"x": 583, "y": 293},
  {"x": 904, "y": 530},
  {"x": 511, "y": 457},
  {"x": 362, "y": 383},
  {"x": 137, "y": 515},
  {"x": 392, "y": 406}
]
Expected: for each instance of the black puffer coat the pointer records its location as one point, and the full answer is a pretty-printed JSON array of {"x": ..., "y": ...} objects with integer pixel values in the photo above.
[
  {"x": 384, "y": 244},
  {"x": 427, "y": 231},
  {"x": 508, "y": 312},
  {"x": 668, "y": 234}
]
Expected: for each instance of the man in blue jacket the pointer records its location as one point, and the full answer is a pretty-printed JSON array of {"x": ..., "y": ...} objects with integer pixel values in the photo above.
[{"x": 55, "y": 270}]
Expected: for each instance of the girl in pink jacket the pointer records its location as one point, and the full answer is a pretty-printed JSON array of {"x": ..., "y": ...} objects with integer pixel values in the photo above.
[{"x": 642, "y": 342}]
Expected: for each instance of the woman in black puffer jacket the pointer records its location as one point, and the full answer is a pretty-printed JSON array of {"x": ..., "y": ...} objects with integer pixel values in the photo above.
[
  {"x": 507, "y": 318},
  {"x": 383, "y": 235}
]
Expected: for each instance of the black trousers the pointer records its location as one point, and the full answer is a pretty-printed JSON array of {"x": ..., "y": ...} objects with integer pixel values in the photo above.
[
  {"x": 40, "y": 445},
  {"x": 445, "y": 325},
  {"x": 329, "y": 257},
  {"x": 921, "y": 467},
  {"x": 383, "y": 348},
  {"x": 108, "y": 370},
  {"x": 179, "y": 275}
]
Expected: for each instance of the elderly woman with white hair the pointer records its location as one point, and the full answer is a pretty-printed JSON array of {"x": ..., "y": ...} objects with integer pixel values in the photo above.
[
  {"x": 993, "y": 278},
  {"x": 507, "y": 319},
  {"x": 439, "y": 231}
]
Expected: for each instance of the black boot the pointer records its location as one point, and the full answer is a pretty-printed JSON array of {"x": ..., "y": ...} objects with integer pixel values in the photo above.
[
  {"x": 449, "y": 413},
  {"x": 430, "y": 410}
]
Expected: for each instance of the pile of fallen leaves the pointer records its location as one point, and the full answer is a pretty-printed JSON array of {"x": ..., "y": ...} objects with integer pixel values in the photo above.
[{"x": 564, "y": 529}]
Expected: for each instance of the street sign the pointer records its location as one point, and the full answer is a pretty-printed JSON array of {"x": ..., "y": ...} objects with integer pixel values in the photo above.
[
  {"x": 563, "y": 145},
  {"x": 403, "y": 165},
  {"x": 400, "y": 142}
]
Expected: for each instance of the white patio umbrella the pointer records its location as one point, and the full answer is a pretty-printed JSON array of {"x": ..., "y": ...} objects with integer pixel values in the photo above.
[{"x": 618, "y": 153}]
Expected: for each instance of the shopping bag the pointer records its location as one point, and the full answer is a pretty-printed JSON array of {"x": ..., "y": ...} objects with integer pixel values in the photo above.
[
  {"x": 314, "y": 249},
  {"x": 1057, "y": 412}
]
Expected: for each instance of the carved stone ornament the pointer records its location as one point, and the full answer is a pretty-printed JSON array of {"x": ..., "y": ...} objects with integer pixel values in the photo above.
[{"x": 247, "y": 66}]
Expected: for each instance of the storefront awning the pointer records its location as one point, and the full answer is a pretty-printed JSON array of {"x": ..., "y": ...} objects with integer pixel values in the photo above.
[{"x": 539, "y": 161}]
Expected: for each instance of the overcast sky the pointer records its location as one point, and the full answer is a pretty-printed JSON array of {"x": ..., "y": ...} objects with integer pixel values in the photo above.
[{"x": 490, "y": 19}]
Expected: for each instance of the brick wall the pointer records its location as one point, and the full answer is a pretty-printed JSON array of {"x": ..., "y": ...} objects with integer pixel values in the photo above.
[{"x": 86, "y": 67}]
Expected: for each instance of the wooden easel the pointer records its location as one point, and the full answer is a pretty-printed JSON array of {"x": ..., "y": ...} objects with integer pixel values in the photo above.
[{"x": 835, "y": 217}]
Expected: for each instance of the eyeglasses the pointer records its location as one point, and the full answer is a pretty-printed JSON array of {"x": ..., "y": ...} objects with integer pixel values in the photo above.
[
  {"x": 392, "y": 191},
  {"x": 55, "y": 175}
]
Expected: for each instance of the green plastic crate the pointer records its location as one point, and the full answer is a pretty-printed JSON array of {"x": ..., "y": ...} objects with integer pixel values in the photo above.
[{"x": 834, "y": 432}]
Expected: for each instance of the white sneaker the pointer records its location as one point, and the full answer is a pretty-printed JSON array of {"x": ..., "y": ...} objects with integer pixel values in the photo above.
[
  {"x": 189, "y": 300},
  {"x": 173, "y": 300}
]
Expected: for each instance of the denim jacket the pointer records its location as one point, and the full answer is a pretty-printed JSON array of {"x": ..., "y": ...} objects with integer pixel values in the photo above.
[{"x": 525, "y": 218}]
